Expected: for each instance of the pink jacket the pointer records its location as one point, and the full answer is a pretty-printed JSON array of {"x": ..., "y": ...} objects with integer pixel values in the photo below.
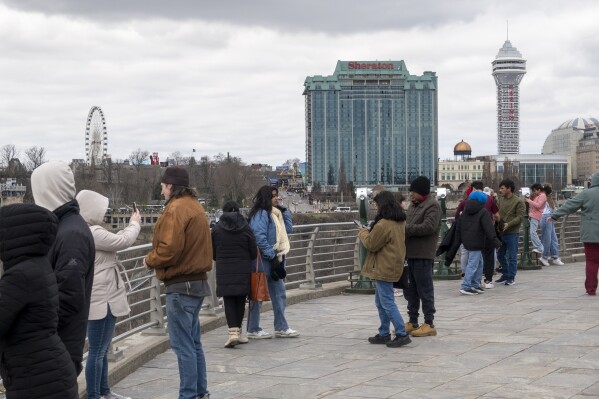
[{"x": 537, "y": 205}]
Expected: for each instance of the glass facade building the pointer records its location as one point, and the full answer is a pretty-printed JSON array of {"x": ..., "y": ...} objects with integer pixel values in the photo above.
[{"x": 371, "y": 122}]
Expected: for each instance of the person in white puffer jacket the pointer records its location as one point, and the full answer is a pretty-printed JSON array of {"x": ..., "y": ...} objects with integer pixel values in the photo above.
[{"x": 109, "y": 294}]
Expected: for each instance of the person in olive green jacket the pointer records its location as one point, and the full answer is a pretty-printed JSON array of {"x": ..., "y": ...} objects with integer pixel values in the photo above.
[
  {"x": 588, "y": 202},
  {"x": 385, "y": 242}
]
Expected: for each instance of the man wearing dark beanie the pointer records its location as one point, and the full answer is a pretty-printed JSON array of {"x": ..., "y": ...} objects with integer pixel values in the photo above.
[
  {"x": 182, "y": 255},
  {"x": 422, "y": 232}
]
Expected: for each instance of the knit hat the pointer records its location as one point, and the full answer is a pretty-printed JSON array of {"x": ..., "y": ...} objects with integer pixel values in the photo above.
[
  {"x": 176, "y": 175},
  {"x": 421, "y": 185},
  {"x": 53, "y": 185},
  {"x": 478, "y": 196}
]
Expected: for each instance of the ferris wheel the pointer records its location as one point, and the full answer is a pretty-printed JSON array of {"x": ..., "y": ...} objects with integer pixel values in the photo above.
[{"x": 96, "y": 137}]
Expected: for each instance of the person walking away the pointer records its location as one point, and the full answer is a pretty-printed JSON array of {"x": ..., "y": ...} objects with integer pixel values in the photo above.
[
  {"x": 488, "y": 252},
  {"x": 511, "y": 212},
  {"x": 234, "y": 250},
  {"x": 536, "y": 202},
  {"x": 588, "y": 202},
  {"x": 475, "y": 231},
  {"x": 34, "y": 362},
  {"x": 270, "y": 224},
  {"x": 548, "y": 235},
  {"x": 109, "y": 294},
  {"x": 423, "y": 221},
  {"x": 385, "y": 242},
  {"x": 72, "y": 255},
  {"x": 181, "y": 255}
]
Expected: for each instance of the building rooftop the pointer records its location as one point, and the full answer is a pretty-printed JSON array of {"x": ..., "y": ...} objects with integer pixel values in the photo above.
[
  {"x": 508, "y": 51},
  {"x": 579, "y": 123}
]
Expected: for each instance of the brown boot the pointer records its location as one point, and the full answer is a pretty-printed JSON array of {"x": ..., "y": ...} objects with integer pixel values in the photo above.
[
  {"x": 425, "y": 330},
  {"x": 233, "y": 337},
  {"x": 409, "y": 328}
]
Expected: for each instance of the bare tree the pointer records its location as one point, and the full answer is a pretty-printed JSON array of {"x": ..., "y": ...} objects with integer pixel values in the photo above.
[
  {"x": 138, "y": 158},
  {"x": 35, "y": 157},
  {"x": 8, "y": 152},
  {"x": 180, "y": 160}
]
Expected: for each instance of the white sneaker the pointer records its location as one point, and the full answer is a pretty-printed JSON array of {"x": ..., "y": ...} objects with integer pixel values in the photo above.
[
  {"x": 544, "y": 262},
  {"x": 489, "y": 285},
  {"x": 556, "y": 261},
  {"x": 536, "y": 251},
  {"x": 113, "y": 395},
  {"x": 397, "y": 292},
  {"x": 288, "y": 333},
  {"x": 260, "y": 334}
]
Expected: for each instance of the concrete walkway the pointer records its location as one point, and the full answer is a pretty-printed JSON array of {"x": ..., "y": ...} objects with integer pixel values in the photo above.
[{"x": 537, "y": 339}]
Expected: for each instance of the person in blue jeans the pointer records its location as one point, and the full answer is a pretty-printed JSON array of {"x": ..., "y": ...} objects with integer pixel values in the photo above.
[
  {"x": 181, "y": 255},
  {"x": 385, "y": 242},
  {"x": 270, "y": 223},
  {"x": 511, "y": 212},
  {"x": 109, "y": 294}
]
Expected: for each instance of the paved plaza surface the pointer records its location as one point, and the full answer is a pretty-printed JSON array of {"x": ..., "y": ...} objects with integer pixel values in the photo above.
[{"x": 536, "y": 339}]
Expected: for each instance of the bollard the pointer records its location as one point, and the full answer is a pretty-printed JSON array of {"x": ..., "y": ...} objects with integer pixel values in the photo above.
[
  {"x": 443, "y": 272},
  {"x": 361, "y": 284},
  {"x": 525, "y": 259}
]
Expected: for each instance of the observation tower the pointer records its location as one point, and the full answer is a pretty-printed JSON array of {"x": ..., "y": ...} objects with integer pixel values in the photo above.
[{"x": 508, "y": 69}]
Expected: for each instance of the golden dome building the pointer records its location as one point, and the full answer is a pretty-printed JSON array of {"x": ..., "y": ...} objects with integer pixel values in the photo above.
[{"x": 456, "y": 174}]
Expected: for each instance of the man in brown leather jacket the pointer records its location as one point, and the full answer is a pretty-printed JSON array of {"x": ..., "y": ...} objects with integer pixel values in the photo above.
[{"x": 182, "y": 256}]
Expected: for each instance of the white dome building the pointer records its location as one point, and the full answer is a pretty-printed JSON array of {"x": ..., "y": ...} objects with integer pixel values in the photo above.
[{"x": 564, "y": 139}]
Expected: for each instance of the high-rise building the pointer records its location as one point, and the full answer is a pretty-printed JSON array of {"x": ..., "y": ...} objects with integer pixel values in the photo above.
[
  {"x": 508, "y": 70},
  {"x": 371, "y": 122}
]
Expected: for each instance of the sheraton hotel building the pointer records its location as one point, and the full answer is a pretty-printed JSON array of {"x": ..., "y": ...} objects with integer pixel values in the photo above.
[{"x": 372, "y": 122}]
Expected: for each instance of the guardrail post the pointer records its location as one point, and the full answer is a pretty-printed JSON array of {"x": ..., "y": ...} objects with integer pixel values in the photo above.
[
  {"x": 310, "y": 275},
  {"x": 562, "y": 236},
  {"x": 210, "y": 306},
  {"x": 156, "y": 315}
]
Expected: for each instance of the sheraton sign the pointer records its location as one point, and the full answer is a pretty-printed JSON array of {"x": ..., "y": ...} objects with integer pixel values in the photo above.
[{"x": 374, "y": 65}]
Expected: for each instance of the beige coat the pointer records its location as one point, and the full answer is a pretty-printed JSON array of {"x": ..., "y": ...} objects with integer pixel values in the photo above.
[
  {"x": 386, "y": 250},
  {"x": 109, "y": 288}
]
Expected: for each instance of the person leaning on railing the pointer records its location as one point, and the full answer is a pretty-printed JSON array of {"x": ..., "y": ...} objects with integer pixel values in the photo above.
[
  {"x": 109, "y": 294},
  {"x": 588, "y": 202}
]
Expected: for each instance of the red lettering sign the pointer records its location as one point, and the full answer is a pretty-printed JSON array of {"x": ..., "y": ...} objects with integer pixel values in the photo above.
[{"x": 378, "y": 65}]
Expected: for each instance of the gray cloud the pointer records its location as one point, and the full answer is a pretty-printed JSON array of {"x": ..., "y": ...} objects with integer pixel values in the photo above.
[{"x": 306, "y": 15}]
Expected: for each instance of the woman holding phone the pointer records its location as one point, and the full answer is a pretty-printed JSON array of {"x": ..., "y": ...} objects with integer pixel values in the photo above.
[{"x": 109, "y": 295}]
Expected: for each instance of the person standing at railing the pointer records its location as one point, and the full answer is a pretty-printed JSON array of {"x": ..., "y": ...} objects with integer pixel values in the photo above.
[
  {"x": 271, "y": 223},
  {"x": 34, "y": 363},
  {"x": 423, "y": 223},
  {"x": 548, "y": 235},
  {"x": 181, "y": 255},
  {"x": 588, "y": 201},
  {"x": 536, "y": 202},
  {"x": 511, "y": 211},
  {"x": 234, "y": 250},
  {"x": 385, "y": 242},
  {"x": 109, "y": 294},
  {"x": 72, "y": 255}
]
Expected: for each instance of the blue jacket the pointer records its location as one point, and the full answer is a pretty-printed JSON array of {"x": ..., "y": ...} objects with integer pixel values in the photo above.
[{"x": 266, "y": 234}]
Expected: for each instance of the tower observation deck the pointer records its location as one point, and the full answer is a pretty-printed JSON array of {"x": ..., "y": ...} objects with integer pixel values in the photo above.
[{"x": 508, "y": 69}]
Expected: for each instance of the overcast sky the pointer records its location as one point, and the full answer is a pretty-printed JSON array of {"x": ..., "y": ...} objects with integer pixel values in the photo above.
[{"x": 228, "y": 76}]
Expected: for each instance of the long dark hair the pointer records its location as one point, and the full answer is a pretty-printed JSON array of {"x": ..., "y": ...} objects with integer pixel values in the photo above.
[
  {"x": 262, "y": 200},
  {"x": 389, "y": 208},
  {"x": 181, "y": 191},
  {"x": 548, "y": 190}
]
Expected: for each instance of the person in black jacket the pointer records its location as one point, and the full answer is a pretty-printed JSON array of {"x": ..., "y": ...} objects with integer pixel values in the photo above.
[
  {"x": 72, "y": 255},
  {"x": 475, "y": 231},
  {"x": 34, "y": 362},
  {"x": 234, "y": 249}
]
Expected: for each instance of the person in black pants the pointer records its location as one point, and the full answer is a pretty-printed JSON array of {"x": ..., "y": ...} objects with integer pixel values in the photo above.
[
  {"x": 422, "y": 232},
  {"x": 234, "y": 249}
]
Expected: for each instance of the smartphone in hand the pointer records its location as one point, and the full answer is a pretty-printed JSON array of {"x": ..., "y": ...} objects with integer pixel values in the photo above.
[
  {"x": 134, "y": 207},
  {"x": 360, "y": 225}
]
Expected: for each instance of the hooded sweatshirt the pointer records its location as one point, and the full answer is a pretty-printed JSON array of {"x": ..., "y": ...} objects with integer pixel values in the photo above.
[
  {"x": 109, "y": 288},
  {"x": 234, "y": 249},
  {"x": 71, "y": 256}
]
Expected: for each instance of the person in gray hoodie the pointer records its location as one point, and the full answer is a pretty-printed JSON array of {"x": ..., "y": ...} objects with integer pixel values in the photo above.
[
  {"x": 71, "y": 256},
  {"x": 109, "y": 294}
]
